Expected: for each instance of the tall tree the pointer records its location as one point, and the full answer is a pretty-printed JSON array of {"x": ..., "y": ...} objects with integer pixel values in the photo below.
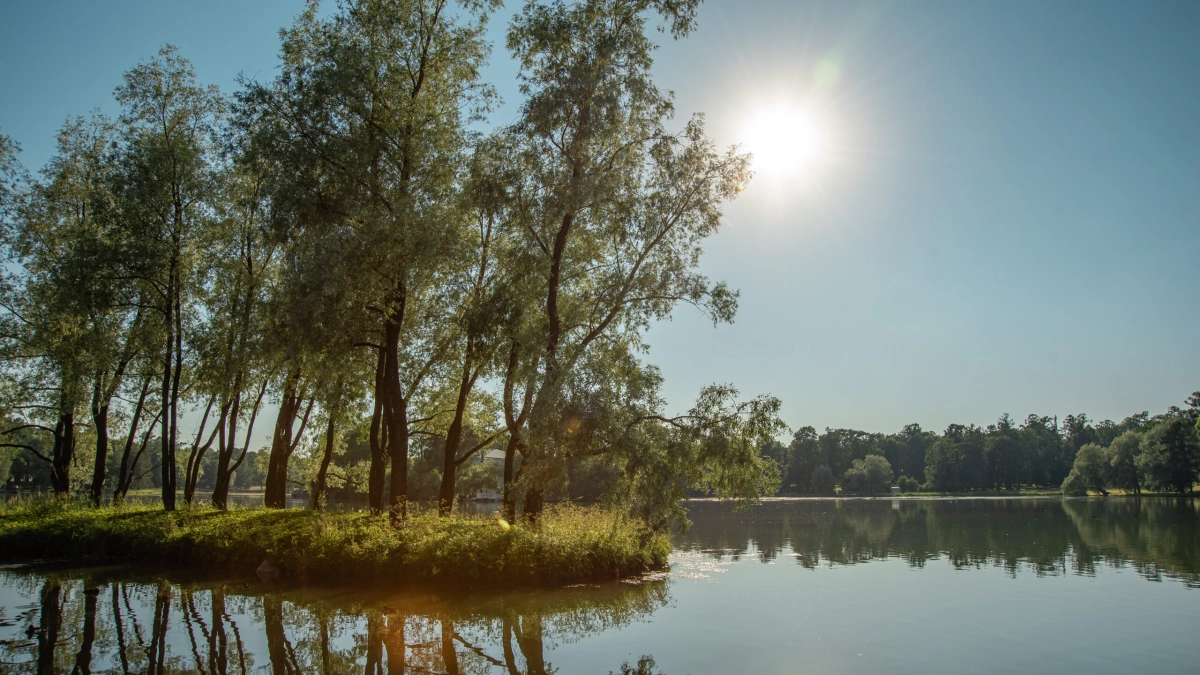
[
  {"x": 1170, "y": 455},
  {"x": 171, "y": 126},
  {"x": 369, "y": 114},
  {"x": 614, "y": 207},
  {"x": 77, "y": 313}
]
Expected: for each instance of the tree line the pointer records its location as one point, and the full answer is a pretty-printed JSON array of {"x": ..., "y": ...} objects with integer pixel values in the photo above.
[
  {"x": 1076, "y": 454},
  {"x": 347, "y": 242}
]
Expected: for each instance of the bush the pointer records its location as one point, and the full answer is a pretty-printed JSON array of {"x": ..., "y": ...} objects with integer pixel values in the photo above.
[
  {"x": 570, "y": 544},
  {"x": 822, "y": 480},
  {"x": 907, "y": 484}
]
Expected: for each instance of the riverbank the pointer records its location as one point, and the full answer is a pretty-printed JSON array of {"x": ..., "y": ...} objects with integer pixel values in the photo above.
[{"x": 569, "y": 545}]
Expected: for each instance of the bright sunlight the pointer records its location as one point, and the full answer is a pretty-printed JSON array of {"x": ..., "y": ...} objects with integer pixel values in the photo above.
[{"x": 785, "y": 140}]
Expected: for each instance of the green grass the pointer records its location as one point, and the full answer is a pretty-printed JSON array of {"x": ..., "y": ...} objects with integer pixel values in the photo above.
[{"x": 569, "y": 545}]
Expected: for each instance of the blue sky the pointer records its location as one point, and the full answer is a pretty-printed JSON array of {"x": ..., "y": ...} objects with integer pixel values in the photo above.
[{"x": 1005, "y": 216}]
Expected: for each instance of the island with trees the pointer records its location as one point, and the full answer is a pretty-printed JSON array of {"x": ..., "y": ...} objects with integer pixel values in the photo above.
[{"x": 346, "y": 244}]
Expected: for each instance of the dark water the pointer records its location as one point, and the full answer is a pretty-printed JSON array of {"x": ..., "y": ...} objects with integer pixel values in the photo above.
[{"x": 930, "y": 586}]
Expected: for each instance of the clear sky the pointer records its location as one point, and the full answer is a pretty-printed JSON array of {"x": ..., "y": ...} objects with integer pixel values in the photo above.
[{"x": 1002, "y": 213}]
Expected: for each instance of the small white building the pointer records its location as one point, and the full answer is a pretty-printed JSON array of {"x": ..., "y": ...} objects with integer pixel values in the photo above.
[{"x": 495, "y": 457}]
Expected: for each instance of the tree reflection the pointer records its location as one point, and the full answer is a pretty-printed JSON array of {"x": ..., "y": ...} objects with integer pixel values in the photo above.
[
  {"x": 1157, "y": 537},
  {"x": 84, "y": 624},
  {"x": 51, "y": 620}
]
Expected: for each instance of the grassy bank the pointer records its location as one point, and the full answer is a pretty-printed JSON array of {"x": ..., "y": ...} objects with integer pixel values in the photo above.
[{"x": 570, "y": 545}]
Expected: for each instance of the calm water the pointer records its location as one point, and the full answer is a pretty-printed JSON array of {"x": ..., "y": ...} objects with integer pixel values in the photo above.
[{"x": 931, "y": 586}]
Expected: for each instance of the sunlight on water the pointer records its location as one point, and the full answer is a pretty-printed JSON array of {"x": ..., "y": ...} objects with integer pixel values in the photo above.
[{"x": 791, "y": 586}]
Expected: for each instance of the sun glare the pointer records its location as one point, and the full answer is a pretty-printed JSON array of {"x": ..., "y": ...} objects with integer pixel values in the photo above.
[{"x": 784, "y": 141}]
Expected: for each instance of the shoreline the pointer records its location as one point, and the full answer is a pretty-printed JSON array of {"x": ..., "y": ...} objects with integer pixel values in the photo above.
[{"x": 570, "y": 545}]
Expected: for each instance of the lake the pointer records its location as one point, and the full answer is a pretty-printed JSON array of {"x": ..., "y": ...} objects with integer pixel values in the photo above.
[{"x": 791, "y": 586}]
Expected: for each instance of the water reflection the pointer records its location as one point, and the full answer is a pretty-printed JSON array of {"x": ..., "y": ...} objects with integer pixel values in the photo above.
[
  {"x": 1156, "y": 537},
  {"x": 93, "y": 621},
  {"x": 113, "y": 621}
]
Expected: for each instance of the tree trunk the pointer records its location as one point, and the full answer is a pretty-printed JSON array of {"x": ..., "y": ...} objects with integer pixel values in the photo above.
[
  {"x": 226, "y": 469},
  {"x": 318, "y": 488},
  {"x": 509, "y": 505},
  {"x": 63, "y": 454},
  {"x": 454, "y": 439},
  {"x": 166, "y": 467},
  {"x": 395, "y": 409},
  {"x": 191, "y": 474},
  {"x": 514, "y": 421},
  {"x": 283, "y": 443},
  {"x": 100, "y": 421},
  {"x": 533, "y": 504},
  {"x": 123, "y": 475},
  {"x": 378, "y": 431}
]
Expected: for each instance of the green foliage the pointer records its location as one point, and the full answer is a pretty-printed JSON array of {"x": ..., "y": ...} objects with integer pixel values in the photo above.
[
  {"x": 822, "y": 480},
  {"x": 870, "y": 476},
  {"x": 1074, "y": 486},
  {"x": 1092, "y": 470},
  {"x": 570, "y": 544},
  {"x": 907, "y": 484},
  {"x": 1123, "y": 466},
  {"x": 1170, "y": 455}
]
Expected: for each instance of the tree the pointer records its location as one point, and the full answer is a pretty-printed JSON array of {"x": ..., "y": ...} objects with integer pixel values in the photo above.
[
  {"x": 802, "y": 458},
  {"x": 713, "y": 448},
  {"x": 367, "y": 119},
  {"x": 956, "y": 461},
  {"x": 870, "y": 476},
  {"x": 1006, "y": 463},
  {"x": 822, "y": 480},
  {"x": 170, "y": 124},
  {"x": 613, "y": 207},
  {"x": 70, "y": 311},
  {"x": 1123, "y": 462},
  {"x": 1170, "y": 455},
  {"x": 1092, "y": 470}
]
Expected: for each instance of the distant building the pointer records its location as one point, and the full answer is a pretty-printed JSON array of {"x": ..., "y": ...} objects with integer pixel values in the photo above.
[{"x": 495, "y": 457}]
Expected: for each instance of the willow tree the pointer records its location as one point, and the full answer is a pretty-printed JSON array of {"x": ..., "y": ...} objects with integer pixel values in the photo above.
[
  {"x": 368, "y": 117},
  {"x": 72, "y": 310},
  {"x": 170, "y": 124},
  {"x": 615, "y": 206},
  {"x": 235, "y": 364}
]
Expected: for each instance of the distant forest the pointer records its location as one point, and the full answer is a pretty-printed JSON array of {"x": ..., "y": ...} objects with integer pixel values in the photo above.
[{"x": 1141, "y": 452}]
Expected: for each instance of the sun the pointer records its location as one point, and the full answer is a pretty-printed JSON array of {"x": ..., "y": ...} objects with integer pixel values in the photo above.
[{"x": 784, "y": 141}]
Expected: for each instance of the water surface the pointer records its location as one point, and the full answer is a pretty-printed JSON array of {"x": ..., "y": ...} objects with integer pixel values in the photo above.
[{"x": 808, "y": 586}]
